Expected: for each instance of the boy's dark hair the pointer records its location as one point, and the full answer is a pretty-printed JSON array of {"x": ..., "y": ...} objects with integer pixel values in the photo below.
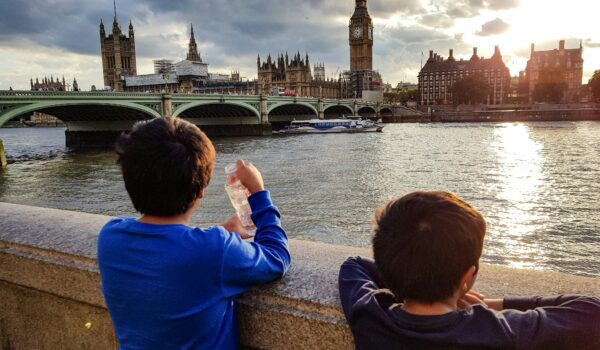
[
  {"x": 166, "y": 162},
  {"x": 424, "y": 242}
]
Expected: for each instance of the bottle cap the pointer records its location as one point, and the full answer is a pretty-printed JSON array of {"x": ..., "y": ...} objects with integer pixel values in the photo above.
[{"x": 230, "y": 168}]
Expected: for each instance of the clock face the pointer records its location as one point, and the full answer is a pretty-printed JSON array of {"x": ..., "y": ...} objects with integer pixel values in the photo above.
[
  {"x": 370, "y": 33},
  {"x": 357, "y": 32}
]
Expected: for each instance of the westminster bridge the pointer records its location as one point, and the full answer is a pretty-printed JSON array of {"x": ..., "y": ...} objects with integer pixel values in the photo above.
[{"x": 96, "y": 118}]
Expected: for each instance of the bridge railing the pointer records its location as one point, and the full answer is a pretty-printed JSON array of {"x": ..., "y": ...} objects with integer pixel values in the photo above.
[{"x": 25, "y": 93}]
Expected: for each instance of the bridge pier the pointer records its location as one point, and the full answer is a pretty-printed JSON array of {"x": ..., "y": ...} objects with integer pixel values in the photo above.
[
  {"x": 321, "y": 109},
  {"x": 3, "y": 163},
  {"x": 264, "y": 109},
  {"x": 91, "y": 138},
  {"x": 167, "y": 105}
]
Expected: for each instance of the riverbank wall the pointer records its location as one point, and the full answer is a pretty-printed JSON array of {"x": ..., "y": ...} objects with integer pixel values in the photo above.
[
  {"x": 50, "y": 294},
  {"x": 516, "y": 113}
]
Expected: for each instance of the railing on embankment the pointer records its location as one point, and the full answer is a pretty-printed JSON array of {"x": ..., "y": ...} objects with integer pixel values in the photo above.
[{"x": 50, "y": 294}]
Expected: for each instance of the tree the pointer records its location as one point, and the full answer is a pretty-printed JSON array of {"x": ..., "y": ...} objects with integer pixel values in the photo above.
[
  {"x": 551, "y": 85},
  {"x": 472, "y": 89},
  {"x": 595, "y": 84},
  {"x": 400, "y": 96}
]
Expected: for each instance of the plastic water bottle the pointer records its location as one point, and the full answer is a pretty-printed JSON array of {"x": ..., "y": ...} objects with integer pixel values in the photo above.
[{"x": 238, "y": 195}]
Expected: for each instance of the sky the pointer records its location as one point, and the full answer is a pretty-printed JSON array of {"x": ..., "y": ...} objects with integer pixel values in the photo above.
[{"x": 60, "y": 37}]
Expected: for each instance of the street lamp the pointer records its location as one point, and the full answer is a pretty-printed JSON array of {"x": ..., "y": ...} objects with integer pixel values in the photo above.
[{"x": 165, "y": 77}]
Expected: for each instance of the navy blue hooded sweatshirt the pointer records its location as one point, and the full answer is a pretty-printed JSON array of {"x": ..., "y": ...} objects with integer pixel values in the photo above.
[{"x": 378, "y": 322}]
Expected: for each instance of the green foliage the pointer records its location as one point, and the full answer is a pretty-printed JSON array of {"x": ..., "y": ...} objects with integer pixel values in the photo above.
[
  {"x": 551, "y": 86},
  {"x": 595, "y": 84},
  {"x": 472, "y": 89},
  {"x": 400, "y": 96}
]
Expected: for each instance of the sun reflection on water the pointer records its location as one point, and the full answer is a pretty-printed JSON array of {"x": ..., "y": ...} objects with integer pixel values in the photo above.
[{"x": 519, "y": 186}]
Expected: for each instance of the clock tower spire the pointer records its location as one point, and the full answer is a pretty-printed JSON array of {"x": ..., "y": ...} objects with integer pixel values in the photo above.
[{"x": 361, "y": 38}]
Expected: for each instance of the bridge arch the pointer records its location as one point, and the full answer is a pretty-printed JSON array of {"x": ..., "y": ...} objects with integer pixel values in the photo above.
[
  {"x": 208, "y": 109},
  {"x": 294, "y": 108},
  {"x": 367, "y": 111},
  {"x": 68, "y": 111},
  {"x": 281, "y": 114},
  {"x": 386, "y": 112},
  {"x": 337, "y": 111}
]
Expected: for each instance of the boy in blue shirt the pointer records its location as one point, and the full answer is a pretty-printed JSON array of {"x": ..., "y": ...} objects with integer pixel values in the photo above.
[
  {"x": 169, "y": 285},
  {"x": 427, "y": 247}
]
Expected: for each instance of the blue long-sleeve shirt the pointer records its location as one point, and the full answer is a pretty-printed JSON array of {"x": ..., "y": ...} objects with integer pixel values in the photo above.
[
  {"x": 172, "y": 286},
  {"x": 378, "y": 322}
]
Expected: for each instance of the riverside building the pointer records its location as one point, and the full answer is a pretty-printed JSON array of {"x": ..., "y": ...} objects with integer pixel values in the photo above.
[
  {"x": 292, "y": 76},
  {"x": 569, "y": 60},
  {"x": 118, "y": 54},
  {"x": 438, "y": 75},
  {"x": 187, "y": 76}
]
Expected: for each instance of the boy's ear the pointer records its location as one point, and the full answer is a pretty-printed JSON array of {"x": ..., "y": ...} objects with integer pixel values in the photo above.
[
  {"x": 201, "y": 193},
  {"x": 468, "y": 279}
]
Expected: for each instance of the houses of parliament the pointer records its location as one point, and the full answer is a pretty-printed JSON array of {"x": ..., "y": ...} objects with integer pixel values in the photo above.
[{"x": 291, "y": 75}]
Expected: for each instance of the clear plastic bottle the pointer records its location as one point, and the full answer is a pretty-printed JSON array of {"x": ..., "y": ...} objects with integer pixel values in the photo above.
[{"x": 238, "y": 195}]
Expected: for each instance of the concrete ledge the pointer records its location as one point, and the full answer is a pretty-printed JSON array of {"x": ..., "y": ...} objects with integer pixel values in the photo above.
[{"x": 50, "y": 296}]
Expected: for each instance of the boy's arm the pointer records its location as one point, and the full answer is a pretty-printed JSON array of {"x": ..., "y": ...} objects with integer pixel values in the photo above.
[
  {"x": 246, "y": 264},
  {"x": 358, "y": 280},
  {"x": 557, "y": 322}
]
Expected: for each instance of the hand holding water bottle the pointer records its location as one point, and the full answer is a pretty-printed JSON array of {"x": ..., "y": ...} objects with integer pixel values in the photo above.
[
  {"x": 243, "y": 179},
  {"x": 249, "y": 176}
]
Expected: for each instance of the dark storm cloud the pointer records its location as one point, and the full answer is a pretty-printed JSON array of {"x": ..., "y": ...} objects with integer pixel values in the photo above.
[{"x": 494, "y": 27}]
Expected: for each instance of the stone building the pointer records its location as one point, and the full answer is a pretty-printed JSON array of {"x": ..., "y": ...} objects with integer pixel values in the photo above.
[
  {"x": 438, "y": 75},
  {"x": 52, "y": 85},
  {"x": 187, "y": 76},
  {"x": 569, "y": 60},
  {"x": 118, "y": 54},
  {"x": 292, "y": 76}
]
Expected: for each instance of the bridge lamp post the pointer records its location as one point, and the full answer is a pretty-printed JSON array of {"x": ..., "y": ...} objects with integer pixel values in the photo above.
[{"x": 165, "y": 77}]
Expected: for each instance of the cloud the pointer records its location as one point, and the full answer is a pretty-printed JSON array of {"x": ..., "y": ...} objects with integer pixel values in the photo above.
[
  {"x": 494, "y": 27},
  {"x": 230, "y": 33},
  {"x": 589, "y": 43}
]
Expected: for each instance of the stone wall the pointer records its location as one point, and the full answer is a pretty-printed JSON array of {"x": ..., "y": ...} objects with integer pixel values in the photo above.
[{"x": 50, "y": 296}]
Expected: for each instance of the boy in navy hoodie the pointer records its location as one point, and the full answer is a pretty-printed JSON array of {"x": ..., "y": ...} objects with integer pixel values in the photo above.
[
  {"x": 427, "y": 247},
  {"x": 169, "y": 285}
]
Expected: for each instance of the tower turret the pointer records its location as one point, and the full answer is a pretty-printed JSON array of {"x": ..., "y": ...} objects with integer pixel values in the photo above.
[
  {"x": 131, "y": 34},
  {"x": 102, "y": 31}
]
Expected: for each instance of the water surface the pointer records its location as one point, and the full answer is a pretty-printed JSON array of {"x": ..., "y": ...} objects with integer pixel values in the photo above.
[{"x": 536, "y": 183}]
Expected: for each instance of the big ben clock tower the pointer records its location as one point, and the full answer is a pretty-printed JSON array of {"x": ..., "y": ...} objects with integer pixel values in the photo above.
[{"x": 361, "y": 38}]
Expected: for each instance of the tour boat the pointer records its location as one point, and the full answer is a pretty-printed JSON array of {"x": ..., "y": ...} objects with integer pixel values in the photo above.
[{"x": 323, "y": 126}]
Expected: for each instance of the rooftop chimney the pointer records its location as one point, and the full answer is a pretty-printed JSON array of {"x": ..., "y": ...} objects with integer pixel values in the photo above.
[
  {"x": 474, "y": 57},
  {"x": 532, "y": 48},
  {"x": 430, "y": 54},
  {"x": 561, "y": 45},
  {"x": 451, "y": 54}
]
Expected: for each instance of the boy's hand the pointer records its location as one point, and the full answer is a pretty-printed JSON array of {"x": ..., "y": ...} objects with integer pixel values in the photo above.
[
  {"x": 234, "y": 225},
  {"x": 471, "y": 298},
  {"x": 249, "y": 176}
]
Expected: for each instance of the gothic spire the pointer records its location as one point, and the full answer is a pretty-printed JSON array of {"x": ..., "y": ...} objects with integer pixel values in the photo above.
[
  {"x": 115, "y": 5},
  {"x": 193, "y": 54}
]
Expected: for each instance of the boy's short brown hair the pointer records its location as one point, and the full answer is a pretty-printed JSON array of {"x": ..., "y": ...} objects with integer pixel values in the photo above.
[
  {"x": 165, "y": 162},
  {"x": 424, "y": 242}
]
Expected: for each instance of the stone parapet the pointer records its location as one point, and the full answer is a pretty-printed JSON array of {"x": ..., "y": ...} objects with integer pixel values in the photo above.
[{"x": 50, "y": 295}]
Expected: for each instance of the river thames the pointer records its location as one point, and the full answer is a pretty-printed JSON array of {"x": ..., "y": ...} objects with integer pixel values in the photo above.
[{"x": 537, "y": 184}]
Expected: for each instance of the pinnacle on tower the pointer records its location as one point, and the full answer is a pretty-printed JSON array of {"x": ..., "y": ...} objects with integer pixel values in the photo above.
[{"x": 193, "y": 54}]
